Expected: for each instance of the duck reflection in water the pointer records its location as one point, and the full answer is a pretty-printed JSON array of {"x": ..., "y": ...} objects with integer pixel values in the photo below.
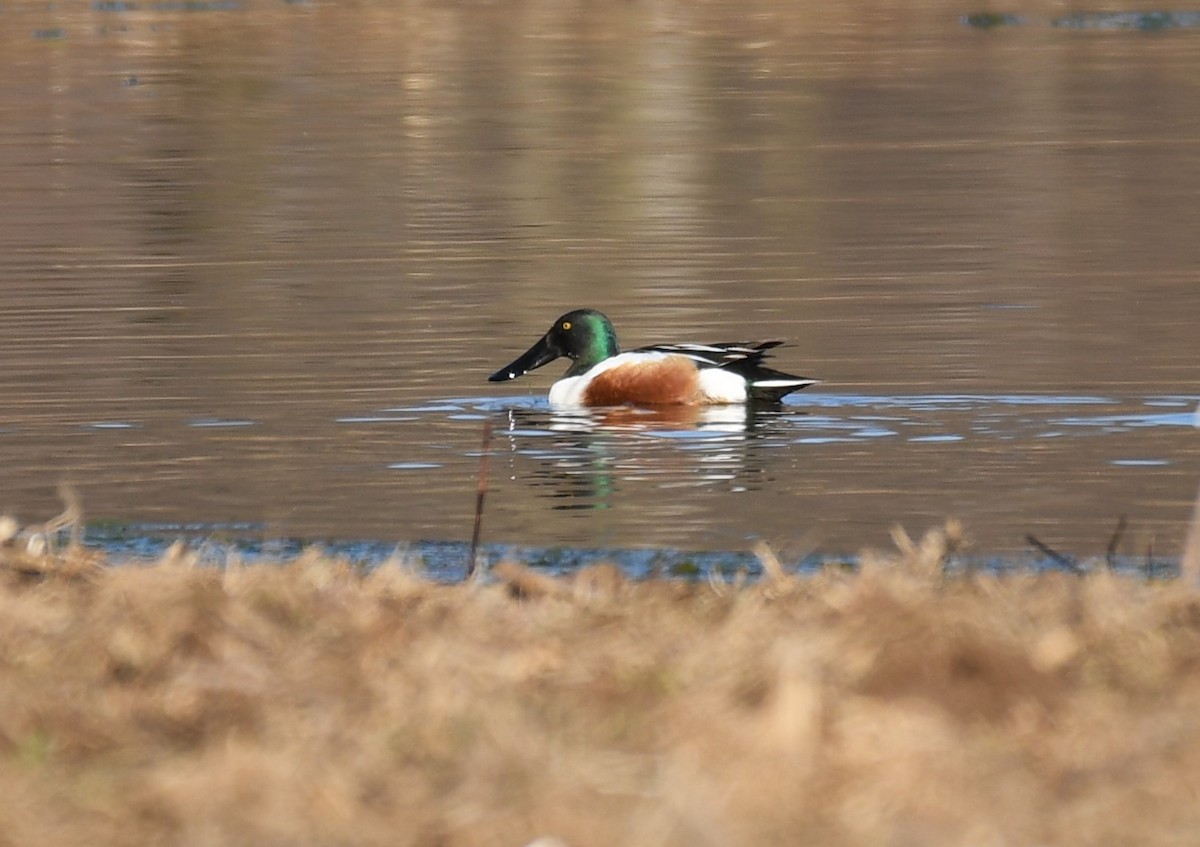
[{"x": 583, "y": 458}]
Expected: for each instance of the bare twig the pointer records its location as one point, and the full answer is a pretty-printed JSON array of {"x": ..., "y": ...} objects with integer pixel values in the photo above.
[
  {"x": 1111, "y": 553},
  {"x": 480, "y": 495},
  {"x": 1059, "y": 559}
]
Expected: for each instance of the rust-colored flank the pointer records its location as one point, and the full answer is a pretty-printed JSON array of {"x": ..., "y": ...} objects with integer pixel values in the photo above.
[{"x": 673, "y": 380}]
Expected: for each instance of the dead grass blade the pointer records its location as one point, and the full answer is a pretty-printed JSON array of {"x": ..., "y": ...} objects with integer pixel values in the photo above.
[{"x": 1189, "y": 566}]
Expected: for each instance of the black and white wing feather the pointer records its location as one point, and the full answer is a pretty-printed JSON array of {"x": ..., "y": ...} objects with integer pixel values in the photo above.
[{"x": 742, "y": 358}]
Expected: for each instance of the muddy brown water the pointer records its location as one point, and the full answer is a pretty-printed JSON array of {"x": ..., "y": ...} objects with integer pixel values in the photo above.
[{"x": 257, "y": 260}]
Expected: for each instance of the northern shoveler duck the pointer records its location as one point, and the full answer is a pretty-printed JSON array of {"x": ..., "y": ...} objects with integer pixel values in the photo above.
[{"x": 661, "y": 374}]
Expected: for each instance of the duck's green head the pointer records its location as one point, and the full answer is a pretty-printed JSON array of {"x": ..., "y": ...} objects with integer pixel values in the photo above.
[{"x": 584, "y": 336}]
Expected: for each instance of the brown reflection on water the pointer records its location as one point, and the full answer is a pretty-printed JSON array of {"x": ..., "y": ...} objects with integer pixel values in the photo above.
[{"x": 295, "y": 215}]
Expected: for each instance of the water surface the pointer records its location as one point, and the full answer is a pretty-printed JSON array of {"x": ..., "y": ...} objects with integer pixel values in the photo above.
[{"x": 257, "y": 260}]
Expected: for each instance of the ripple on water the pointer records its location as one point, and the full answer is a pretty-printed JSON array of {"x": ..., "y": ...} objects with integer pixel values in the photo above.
[
  {"x": 370, "y": 419},
  {"x": 1003, "y": 417},
  {"x": 1123, "y": 422},
  {"x": 213, "y": 423}
]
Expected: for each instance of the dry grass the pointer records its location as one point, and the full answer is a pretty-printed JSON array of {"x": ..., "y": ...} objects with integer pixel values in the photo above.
[{"x": 313, "y": 704}]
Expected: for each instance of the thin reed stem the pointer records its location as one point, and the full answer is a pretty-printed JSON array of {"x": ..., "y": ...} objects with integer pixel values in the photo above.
[{"x": 480, "y": 495}]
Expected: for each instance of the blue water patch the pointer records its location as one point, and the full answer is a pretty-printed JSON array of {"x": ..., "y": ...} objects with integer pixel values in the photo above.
[
  {"x": 112, "y": 425},
  {"x": 213, "y": 423},
  {"x": 1139, "y": 463},
  {"x": 828, "y": 418},
  {"x": 689, "y": 434},
  {"x": 423, "y": 409},
  {"x": 1144, "y": 21},
  {"x": 875, "y": 432},
  {"x": 853, "y": 427},
  {"x": 937, "y": 402},
  {"x": 1124, "y": 422},
  {"x": 438, "y": 560},
  {"x": 413, "y": 466},
  {"x": 366, "y": 419},
  {"x": 445, "y": 561},
  {"x": 503, "y": 404}
]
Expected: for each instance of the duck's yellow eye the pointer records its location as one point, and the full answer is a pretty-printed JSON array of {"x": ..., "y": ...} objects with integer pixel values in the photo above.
[{"x": 566, "y": 324}]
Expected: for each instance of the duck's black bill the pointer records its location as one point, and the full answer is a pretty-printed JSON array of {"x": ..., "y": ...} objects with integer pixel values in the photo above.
[{"x": 539, "y": 354}]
